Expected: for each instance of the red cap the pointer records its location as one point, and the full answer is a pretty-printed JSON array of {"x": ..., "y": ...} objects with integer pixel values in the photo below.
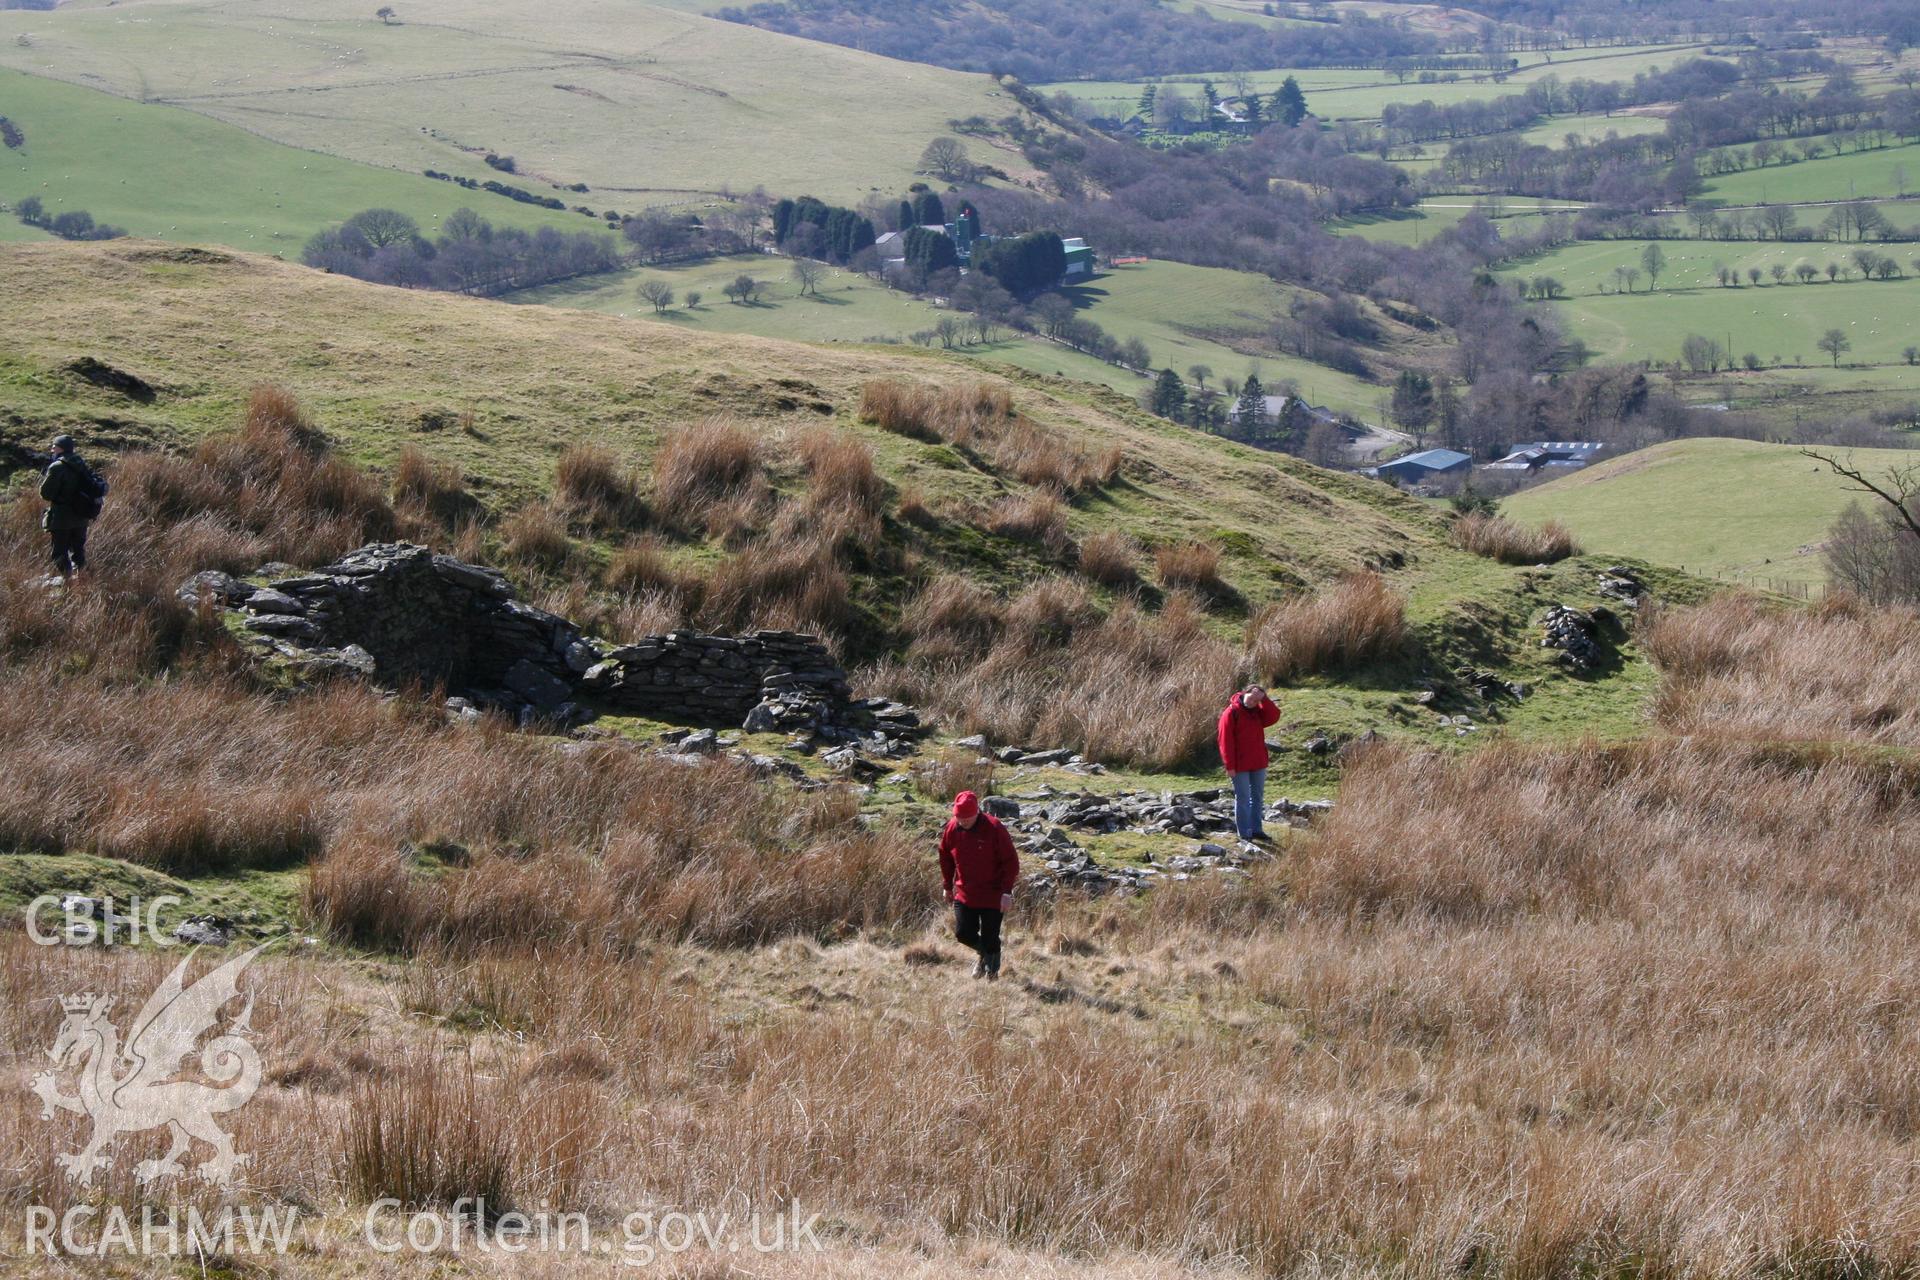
[{"x": 965, "y": 805}]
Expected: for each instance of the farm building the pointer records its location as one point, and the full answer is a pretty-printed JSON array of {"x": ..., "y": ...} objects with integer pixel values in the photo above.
[
  {"x": 1560, "y": 455},
  {"x": 1079, "y": 260},
  {"x": 1423, "y": 467}
]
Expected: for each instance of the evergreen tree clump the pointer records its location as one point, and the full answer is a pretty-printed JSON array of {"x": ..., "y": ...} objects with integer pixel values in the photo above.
[
  {"x": 1249, "y": 417},
  {"x": 843, "y": 232},
  {"x": 929, "y": 251},
  {"x": 1413, "y": 406},
  {"x": 1289, "y": 104},
  {"x": 1024, "y": 264},
  {"x": 1169, "y": 395},
  {"x": 928, "y": 210}
]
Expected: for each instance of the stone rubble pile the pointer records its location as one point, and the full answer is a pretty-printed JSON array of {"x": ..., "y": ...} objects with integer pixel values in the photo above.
[
  {"x": 1621, "y": 583},
  {"x": 399, "y": 615},
  {"x": 1577, "y": 635},
  {"x": 1044, "y": 820}
]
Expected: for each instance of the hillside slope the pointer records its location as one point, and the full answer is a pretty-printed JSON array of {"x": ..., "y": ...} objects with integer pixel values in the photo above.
[
  {"x": 625, "y": 97},
  {"x": 1740, "y": 508},
  {"x": 382, "y": 371},
  {"x": 174, "y": 175}
]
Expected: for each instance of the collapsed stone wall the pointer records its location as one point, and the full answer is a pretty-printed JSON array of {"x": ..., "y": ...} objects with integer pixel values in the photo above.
[{"x": 400, "y": 615}]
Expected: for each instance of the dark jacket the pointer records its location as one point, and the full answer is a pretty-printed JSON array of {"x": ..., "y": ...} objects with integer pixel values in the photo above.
[
  {"x": 1243, "y": 735},
  {"x": 67, "y": 490},
  {"x": 978, "y": 864}
]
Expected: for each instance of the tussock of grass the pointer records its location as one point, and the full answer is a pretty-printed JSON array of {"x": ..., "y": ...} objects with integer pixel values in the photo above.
[
  {"x": 1110, "y": 558},
  {"x": 710, "y": 475},
  {"x": 1501, "y": 539},
  {"x": 1039, "y": 517},
  {"x": 537, "y": 535},
  {"x": 793, "y": 585},
  {"x": 961, "y": 415},
  {"x": 1350, "y": 623},
  {"x": 432, "y": 488},
  {"x": 592, "y": 484},
  {"x": 1190, "y": 566}
]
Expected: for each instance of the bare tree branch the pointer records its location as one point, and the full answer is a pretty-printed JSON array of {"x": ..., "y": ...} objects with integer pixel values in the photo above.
[{"x": 1903, "y": 486}]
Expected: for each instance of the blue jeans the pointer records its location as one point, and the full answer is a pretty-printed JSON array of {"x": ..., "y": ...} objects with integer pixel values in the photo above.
[{"x": 1249, "y": 802}]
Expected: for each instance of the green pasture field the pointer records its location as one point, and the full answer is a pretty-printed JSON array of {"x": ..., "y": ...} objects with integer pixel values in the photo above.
[
  {"x": 1777, "y": 322},
  {"x": 639, "y": 101},
  {"x": 1592, "y": 127},
  {"x": 1360, "y": 95},
  {"x": 174, "y": 175},
  {"x": 1432, "y": 216},
  {"x": 1740, "y": 508},
  {"x": 1850, "y": 176}
]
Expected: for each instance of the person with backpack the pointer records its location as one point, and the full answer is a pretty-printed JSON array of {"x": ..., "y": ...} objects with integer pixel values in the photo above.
[
  {"x": 979, "y": 866},
  {"x": 1243, "y": 750},
  {"x": 73, "y": 494}
]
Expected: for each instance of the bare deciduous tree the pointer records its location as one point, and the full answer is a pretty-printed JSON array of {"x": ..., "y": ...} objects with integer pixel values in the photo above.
[
  {"x": 659, "y": 293},
  {"x": 1898, "y": 487},
  {"x": 807, "y": 274},
  {"x": 946, "y": 158}
]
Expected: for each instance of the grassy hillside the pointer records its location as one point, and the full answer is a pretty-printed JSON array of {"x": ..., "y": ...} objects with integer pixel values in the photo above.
[
  {"x": 171, "y": 174},
  {"x": 382, "y": 370},
  {"x": 631, "y": 98},
  {"x": 1533, "y": 999},
  {"x": 1185, "y": 314},
  {"x": 1734, "y": 507}
]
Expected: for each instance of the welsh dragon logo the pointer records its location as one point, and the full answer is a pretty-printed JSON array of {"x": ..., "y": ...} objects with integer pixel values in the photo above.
[{"x": 130, "y": 1088}]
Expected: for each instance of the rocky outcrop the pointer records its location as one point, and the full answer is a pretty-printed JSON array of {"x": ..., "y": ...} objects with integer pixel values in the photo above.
[{"x": 400, "y": 615}]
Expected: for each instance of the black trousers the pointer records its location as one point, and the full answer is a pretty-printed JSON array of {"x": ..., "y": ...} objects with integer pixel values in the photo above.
[
  {"x": 978, "y": 928},
  {"x": 69, "y": 549}
]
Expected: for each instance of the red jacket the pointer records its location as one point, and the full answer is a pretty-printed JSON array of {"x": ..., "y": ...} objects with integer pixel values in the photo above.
[
  {"x": 978, "y": 864},
  {"x": 1243, "y": 735}
]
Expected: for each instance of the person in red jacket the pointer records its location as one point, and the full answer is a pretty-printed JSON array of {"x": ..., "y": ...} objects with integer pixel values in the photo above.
[
  {"x": 1243, "y": 749},
  {"x": 979, "y": 867}
]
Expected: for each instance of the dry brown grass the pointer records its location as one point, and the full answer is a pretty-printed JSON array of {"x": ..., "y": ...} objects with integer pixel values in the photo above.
[
  {"x": 710, "y": 475},
  {"x": 981, "y": 418},
  {"x": 1110, "y": 558},
  {"x": 961, "y": 415},
  {"x": 1501, "y": 539},
  {"x": 1843, "y": 670},
  {"x": 1042, "y": 458},
  {"x": 429, "y": 1128},
  {"x": 794, "y": 585},
  {"x": 432, "y": 488},
  {"x": 1350, "y": 623},
  {"x": 593, "y": 484},
  {"x": 1191, "y": 566},
  {"x": 646, "y": 568},
  {"x": 840, "y": 471},
  {"x": 1039, "y": 517},
  {"x": 1049, "y": 667},
  {"x": 536, "y": 535},
  {"x": 953, "y": 617}
]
